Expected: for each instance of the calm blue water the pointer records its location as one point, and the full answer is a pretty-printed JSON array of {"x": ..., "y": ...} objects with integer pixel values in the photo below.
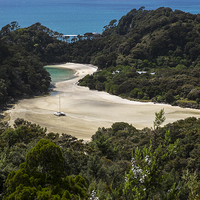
[
  {"x": 59, "y": 74},
  {"x": 80, "y": 16}
]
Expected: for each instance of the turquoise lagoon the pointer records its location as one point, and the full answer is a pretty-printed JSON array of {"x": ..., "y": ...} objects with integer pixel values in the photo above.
[{"x": 59, "y": 74}]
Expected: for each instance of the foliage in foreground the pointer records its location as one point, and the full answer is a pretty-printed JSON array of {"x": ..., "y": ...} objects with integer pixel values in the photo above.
[
  {"x": 42, "y": 176},
  {"x": 146, "y": 178},
  {"x": 119, "y": 163}
]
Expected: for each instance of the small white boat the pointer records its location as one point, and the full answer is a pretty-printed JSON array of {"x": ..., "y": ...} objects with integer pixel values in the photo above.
[{"x": 59, "y": 113}]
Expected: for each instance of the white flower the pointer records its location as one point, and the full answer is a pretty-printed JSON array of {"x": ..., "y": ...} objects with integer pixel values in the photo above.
[
  {"x": 147, "y": 172},
  {"x": 141, "y": 180},
  {"x": 137, "y": 172},
  {"x": 147, "y": 160},
  {"x": 169, "y": 190},
  {"x": 93, "y": 196}
]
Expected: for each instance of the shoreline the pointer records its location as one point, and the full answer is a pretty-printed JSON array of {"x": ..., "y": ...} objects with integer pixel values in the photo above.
[{"x": 87, "y": 110}]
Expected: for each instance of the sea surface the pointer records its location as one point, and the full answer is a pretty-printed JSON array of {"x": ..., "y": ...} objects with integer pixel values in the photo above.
[
  {"x": 73, "y": 17},
  {"x": 59, "y": 74}
]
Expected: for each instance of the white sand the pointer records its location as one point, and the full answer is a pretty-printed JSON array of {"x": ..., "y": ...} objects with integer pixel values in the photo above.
[{"x": 86, "y": 110}]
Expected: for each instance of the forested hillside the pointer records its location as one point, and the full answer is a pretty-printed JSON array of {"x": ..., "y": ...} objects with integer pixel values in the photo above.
[
  {"x": 120, "y": 162},
  {"x": 23, "y": 53},
  {"x": 148, "y": 55},
  {"x": 21, "y": 71}
]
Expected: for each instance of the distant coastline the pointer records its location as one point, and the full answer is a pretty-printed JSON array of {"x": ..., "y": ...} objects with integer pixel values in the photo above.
[{"x": 78, "y": 18}]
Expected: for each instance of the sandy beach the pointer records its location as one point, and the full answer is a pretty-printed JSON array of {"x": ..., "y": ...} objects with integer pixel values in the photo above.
[{"x": 86, "y": 110}]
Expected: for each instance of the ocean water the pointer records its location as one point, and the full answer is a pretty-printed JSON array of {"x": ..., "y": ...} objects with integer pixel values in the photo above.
[
  {"x": 73, "y": 17},
  {"x": 59, "y": 74}
]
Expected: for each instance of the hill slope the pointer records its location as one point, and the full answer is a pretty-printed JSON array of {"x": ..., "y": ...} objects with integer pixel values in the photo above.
[{"x": 163, "y": 43}]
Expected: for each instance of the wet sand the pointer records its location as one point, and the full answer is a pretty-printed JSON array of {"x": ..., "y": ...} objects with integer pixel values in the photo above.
[{"x": 86, "y": 110}]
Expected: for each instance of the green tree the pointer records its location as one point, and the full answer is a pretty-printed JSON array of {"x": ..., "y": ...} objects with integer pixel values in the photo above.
[
  {"x": 135, "y": 92},
  {"x": 192, "y": 184},
  {"x": 198, "y": 100},
  {"x": 42, "y": 176},
  {"x": 159, "y": 119},
  {"x": 169, "y": 96},
  {"x": 146, "y": 177},
  {"x": 47, "y": 158}
]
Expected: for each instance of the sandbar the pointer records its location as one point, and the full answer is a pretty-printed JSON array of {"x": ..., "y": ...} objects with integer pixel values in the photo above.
[{"x": 87, "y": 110}]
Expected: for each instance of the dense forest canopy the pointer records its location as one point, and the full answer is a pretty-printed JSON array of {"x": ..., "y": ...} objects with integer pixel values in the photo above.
[
  {"x": 21, "y": 71},
  {"x": 121, "y": 162}
]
